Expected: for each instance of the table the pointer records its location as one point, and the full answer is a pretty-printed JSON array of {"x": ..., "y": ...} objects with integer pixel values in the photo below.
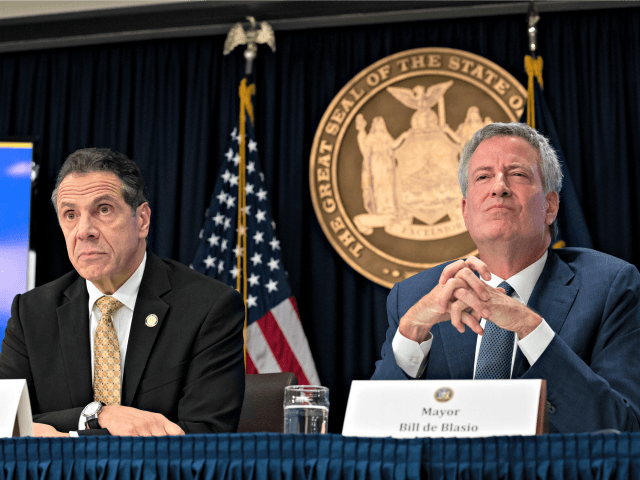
[{"x": 286, "y": 457}]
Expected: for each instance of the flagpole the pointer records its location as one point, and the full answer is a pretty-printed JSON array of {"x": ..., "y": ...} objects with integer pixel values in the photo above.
[
  {"x": 242, "y": 219},
  {"x": 246, "y": 107},
  {"x": 532, "y": 64},
  {"x": 238, "y": 36}
]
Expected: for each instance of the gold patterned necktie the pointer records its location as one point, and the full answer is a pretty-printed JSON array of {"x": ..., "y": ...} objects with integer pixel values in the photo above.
[{"x": 106, "y": 351}]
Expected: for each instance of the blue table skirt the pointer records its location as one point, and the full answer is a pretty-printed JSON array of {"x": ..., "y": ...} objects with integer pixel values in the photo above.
[{"x": 283, "y": 457}]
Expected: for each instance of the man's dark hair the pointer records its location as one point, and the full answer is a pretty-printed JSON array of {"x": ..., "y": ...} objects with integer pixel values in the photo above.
[{"x": 89, "y": 160}]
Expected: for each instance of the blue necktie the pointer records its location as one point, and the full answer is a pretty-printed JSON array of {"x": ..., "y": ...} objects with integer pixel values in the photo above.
[{"x": 496, "y": 349}]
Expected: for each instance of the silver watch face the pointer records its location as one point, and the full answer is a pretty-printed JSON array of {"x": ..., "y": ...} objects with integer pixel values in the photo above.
[{"x": 91, "y": 409}]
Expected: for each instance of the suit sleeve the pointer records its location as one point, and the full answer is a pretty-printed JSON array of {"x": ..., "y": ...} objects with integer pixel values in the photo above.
[
  {"x": 214, "y": 387},
  {"x": 592, "y": 371},
  {"x": 387, "y": 368},
  {"x": 15, "y": 364}
]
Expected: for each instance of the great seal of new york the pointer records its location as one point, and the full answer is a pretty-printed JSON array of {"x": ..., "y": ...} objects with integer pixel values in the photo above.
[{"x": 384, "y": 162}]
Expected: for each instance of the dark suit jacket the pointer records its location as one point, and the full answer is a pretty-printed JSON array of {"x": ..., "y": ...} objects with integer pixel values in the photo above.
[
  {"x": 189, "y": 367},
  {"x": 592, "y": 365}
]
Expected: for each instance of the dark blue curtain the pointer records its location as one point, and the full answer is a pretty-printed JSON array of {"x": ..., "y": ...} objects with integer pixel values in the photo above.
[
  {"x": 170, "y": 105},
  {"x": 572, "y": 226},
  {"x": 322, "y": 457}
]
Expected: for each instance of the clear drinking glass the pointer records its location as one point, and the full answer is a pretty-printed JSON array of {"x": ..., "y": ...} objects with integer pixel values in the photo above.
[{"x": 306, "y": 409}]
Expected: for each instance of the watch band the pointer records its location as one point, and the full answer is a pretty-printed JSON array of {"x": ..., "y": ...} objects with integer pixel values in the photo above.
[{"x": 93, "y": 424}]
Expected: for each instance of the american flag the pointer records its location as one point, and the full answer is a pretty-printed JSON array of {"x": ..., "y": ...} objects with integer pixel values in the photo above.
[{"x": 275, "y": 340}]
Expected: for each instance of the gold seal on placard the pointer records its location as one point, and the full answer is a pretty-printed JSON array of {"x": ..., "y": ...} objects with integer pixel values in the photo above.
[
  {"x": 384, "y": 163},
  {"x": 443, "y": 394}
]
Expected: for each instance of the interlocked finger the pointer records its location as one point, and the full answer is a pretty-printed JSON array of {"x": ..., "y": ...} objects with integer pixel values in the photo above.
[
  {"x": 474, "y": 283},
  {"x": 448, "y": 290},
  {"x": 451, "y": 270},
  {"x": 471, "y": 299},
  {"x": 462, "y": 314},
  {"x": 477, "y": 265}
]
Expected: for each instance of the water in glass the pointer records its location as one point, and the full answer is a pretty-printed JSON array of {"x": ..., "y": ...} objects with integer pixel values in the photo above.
[{"x": 306, "y": 419}]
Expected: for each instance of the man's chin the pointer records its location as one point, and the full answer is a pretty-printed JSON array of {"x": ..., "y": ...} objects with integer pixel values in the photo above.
[
  {"x": 496, "y": 234},
  {"x": 93, "y": 273}
]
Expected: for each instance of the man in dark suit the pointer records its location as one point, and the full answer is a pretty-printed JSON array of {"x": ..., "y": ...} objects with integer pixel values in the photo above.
[
  {"x": 128, "y": 343},
  {"x": 567, "y": 316}
]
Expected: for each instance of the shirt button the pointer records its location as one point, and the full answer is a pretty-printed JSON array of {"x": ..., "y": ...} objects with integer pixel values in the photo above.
[{"x": 415, "y": 360}]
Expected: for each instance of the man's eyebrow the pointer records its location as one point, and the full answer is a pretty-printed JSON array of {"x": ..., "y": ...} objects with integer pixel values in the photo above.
[
  {"x": 99, "y": 199},
  {"x": 483, "y": 169},
  {"x": 102, "y": 198},
  {"x": 66, "y": 204},
  {"x": 511, "y": 166},
  {"x": 517, "y": 165}
]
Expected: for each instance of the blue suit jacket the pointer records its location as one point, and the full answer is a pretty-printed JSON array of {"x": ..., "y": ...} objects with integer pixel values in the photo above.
[{"x": 592, "y": 366}]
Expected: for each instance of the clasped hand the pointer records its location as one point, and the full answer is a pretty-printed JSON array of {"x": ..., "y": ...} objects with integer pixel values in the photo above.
[
  {"x": 125, "y": 421},
  {"x": 128, "y": 421},
  {"x": 463, "y": 299}
]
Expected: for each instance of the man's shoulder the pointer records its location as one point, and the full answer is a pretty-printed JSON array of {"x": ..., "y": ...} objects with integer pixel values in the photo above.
[
  {"x": 189, "y": 293},
  {"x": 54, "y": 288},
  {"x": 585, "y": 267},
  {"x": 183, "y": 277},
  {"x": 585, "y": 259}
]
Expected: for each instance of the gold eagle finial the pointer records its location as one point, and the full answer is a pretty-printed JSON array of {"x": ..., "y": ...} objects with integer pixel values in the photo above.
[{"x": 238, "y": 36}]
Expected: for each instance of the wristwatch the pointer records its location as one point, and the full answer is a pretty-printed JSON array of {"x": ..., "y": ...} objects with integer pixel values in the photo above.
[{"x": 90, "y": 414}]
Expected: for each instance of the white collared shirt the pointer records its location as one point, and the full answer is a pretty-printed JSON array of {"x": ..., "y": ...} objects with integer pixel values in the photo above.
[
  {"x": 127, "y": 294},
  {"x": 411, "y": 356}
]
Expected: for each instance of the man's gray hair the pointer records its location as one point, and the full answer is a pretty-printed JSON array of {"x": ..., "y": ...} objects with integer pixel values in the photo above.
[
  {"x": 550, "y": 169},
  {"x": 89, "y": 160}
]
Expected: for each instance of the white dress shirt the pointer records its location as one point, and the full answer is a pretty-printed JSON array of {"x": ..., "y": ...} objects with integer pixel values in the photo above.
[
  {"x": 127, "y": 295},
  {"x": 412, "y": 356}
]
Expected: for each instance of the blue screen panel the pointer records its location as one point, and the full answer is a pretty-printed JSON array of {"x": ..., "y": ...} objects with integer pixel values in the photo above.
[{"x": 15, "y": 199}]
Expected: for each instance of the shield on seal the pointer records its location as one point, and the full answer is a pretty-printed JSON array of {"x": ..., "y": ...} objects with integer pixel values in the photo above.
[{"x": 427, "y": 176}]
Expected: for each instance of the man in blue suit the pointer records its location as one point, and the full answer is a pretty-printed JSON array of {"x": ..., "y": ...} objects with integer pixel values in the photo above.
[{"x": 568, "y": 316}]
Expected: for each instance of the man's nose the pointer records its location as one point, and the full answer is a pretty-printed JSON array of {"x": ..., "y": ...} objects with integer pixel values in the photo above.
[
  {"x": 86, "y": 228},
  {"x": 500, "y": 186}
]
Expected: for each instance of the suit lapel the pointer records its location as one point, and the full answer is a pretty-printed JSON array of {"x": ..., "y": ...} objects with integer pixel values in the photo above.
[
  {"x": 73, "y": 324},
  {"x": 551, "y": 298},
  {"x": 155, "y": 282}
]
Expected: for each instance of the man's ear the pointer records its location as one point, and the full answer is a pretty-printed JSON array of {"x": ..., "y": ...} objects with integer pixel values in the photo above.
[
  {"x": 553, "y": 204},
  {"x": 143, "y": 215},
  {"x": 464, "y": 209}
]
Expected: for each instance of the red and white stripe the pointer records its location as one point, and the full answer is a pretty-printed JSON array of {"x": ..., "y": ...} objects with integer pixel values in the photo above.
[{"x": 277, "y": 343}]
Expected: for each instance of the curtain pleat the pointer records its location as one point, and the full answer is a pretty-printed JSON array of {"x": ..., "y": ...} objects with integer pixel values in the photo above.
[{"x": 322, "y": 457}]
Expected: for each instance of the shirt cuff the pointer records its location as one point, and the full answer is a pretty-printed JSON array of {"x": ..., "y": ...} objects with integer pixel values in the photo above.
[
  {"x": 411, "y": 356},
  {"x": 81, "y": 424},
  {"x": 534, "y": 344},
  {"x": 73, "y": 434}
]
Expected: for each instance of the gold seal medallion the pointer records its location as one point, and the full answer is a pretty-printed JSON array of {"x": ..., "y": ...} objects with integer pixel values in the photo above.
[
  {"x": 384, "y": 163},
  {"x": 443, "y": 394},
  {"x": 151, "y": 320}
]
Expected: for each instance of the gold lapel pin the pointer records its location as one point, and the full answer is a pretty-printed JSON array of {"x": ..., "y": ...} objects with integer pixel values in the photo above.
[{"x": 151, "y": 321}]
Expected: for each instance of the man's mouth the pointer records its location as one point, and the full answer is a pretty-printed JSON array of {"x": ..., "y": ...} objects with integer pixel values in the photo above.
[
  {"x": 89, "y": 255},
  {"x": 498, "y": 206}
]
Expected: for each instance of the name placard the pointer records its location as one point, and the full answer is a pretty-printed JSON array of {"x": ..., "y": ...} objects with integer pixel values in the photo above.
[
  {"x": 445, "y": 408},
  {"x": 15, "y": 409}
]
